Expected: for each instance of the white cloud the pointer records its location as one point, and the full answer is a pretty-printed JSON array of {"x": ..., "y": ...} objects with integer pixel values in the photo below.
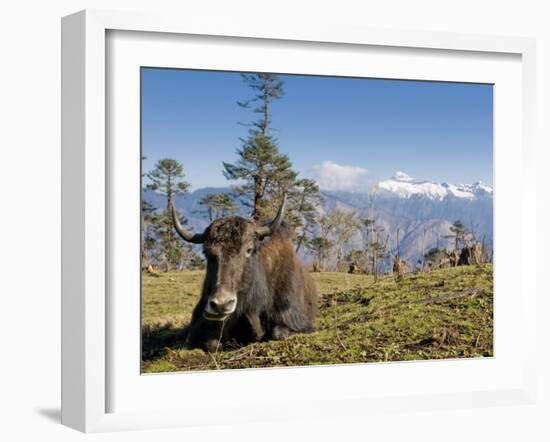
[{"x": 332, "y": 176}]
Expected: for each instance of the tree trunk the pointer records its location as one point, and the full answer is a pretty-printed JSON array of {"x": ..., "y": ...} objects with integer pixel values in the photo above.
[{"x": 266, "y": 116}]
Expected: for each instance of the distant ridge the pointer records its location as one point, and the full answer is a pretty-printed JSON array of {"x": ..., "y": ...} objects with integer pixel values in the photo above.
[{"x": 422, "y": 210}]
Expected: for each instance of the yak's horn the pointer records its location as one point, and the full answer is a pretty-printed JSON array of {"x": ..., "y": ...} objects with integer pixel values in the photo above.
[
  {"x": 196, "y": 238},
  {"x": 275, "y": 224}
]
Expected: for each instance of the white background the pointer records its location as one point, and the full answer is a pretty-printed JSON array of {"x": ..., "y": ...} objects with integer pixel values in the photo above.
[
  {"x": 132, "y": 392},
  {"x": 30, "y": 183}
]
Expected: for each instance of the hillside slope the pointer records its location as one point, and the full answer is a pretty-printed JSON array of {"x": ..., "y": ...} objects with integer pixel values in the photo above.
[{"x": 440, "y": 314}]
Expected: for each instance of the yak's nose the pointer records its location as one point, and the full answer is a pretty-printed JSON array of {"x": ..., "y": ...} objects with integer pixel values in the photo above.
[{"x": 221, "y": 305}]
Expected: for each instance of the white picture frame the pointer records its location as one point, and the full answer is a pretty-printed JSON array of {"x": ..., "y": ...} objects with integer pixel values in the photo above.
[{"x": 86, "y": 213}]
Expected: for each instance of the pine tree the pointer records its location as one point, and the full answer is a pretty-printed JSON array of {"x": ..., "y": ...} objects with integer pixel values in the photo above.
[
  {"x": 460, "y": 234},
  {"x": 266, "y": 89},
  {"x": 209, "y": 201},
  {"x": 436, "y": 257},
  {"x": 167, "y": 179},
  {"x": 226, "y": 205},
  {"x": 218, "y": 205},
  {"x": 266, "y": 173},
  {"x": 321, "y": 247}
]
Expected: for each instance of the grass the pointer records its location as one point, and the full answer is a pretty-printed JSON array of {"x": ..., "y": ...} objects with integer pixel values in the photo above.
[{"x": 435, "y": 315}]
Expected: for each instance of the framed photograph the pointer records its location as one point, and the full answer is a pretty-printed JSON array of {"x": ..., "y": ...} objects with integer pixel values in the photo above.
[{"x": 292, "y": 222}]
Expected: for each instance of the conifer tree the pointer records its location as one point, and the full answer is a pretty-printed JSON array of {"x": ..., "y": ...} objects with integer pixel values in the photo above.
[
  {"x": 321, "y": 248},
  {"x": 460, "y": 234},
  {"x": 266, "y": 172},
  {"x": 218, "y": 205},
  {"x": 167, "y": 179},
  {"x": 266, "y": 89}
]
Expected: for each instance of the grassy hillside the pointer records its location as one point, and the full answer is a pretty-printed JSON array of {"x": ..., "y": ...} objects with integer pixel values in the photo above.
[{"x": 441, "y": 314}]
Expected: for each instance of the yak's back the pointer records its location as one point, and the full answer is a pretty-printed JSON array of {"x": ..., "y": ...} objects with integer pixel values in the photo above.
[{"x": 289, "y": 280}]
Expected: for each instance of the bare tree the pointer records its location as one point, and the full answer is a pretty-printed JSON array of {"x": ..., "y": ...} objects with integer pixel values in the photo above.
[
  {"x": 399, "y": 265},
  {"x": 423, "y": 249},
  {"x": 377, "y": 249},
  {"x": 343, "y": 225},
  {"x": 322, "y": 244}
]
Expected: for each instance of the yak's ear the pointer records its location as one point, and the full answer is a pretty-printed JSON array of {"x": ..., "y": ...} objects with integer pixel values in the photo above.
[{"x": 272, "y": 227}]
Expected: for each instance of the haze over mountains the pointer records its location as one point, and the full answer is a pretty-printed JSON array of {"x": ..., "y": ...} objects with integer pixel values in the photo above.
[{"x": 422, "y": 210}]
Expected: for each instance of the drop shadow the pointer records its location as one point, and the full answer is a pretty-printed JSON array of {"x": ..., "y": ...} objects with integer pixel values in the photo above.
[{"x": 51, "y": 414}]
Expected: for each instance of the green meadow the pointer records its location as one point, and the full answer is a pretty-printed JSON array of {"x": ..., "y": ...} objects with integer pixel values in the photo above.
[{"x": 438, "y": 314}]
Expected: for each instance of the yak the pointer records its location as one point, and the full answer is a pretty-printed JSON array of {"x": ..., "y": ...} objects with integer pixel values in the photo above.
[{"x": 255, "y": 287}]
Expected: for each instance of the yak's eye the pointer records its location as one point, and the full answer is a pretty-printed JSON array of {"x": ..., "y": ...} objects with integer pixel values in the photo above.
[{"x": 249, "y": 251}]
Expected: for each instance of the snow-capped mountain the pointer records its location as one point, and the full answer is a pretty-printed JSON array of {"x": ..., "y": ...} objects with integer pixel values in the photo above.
[
  {"x": 422, "y": 210},
  {"x": 404, "y": 186}
]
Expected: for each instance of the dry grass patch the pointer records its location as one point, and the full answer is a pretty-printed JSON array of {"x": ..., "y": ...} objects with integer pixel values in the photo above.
[{"x": 435, "y": 315}]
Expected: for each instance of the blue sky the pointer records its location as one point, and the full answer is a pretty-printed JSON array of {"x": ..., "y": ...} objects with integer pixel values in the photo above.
[{"x": 344, "y": 132}]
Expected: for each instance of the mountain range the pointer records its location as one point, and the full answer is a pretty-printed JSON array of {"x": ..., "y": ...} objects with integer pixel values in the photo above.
[{"x": 423, "y": 211}]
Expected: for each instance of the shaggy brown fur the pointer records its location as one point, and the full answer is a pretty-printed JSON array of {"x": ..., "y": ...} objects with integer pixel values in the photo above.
[{"x": 275, "y": 295}]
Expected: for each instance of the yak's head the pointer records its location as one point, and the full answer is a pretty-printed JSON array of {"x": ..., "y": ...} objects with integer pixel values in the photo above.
[{"x": 228, "y": 245}]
